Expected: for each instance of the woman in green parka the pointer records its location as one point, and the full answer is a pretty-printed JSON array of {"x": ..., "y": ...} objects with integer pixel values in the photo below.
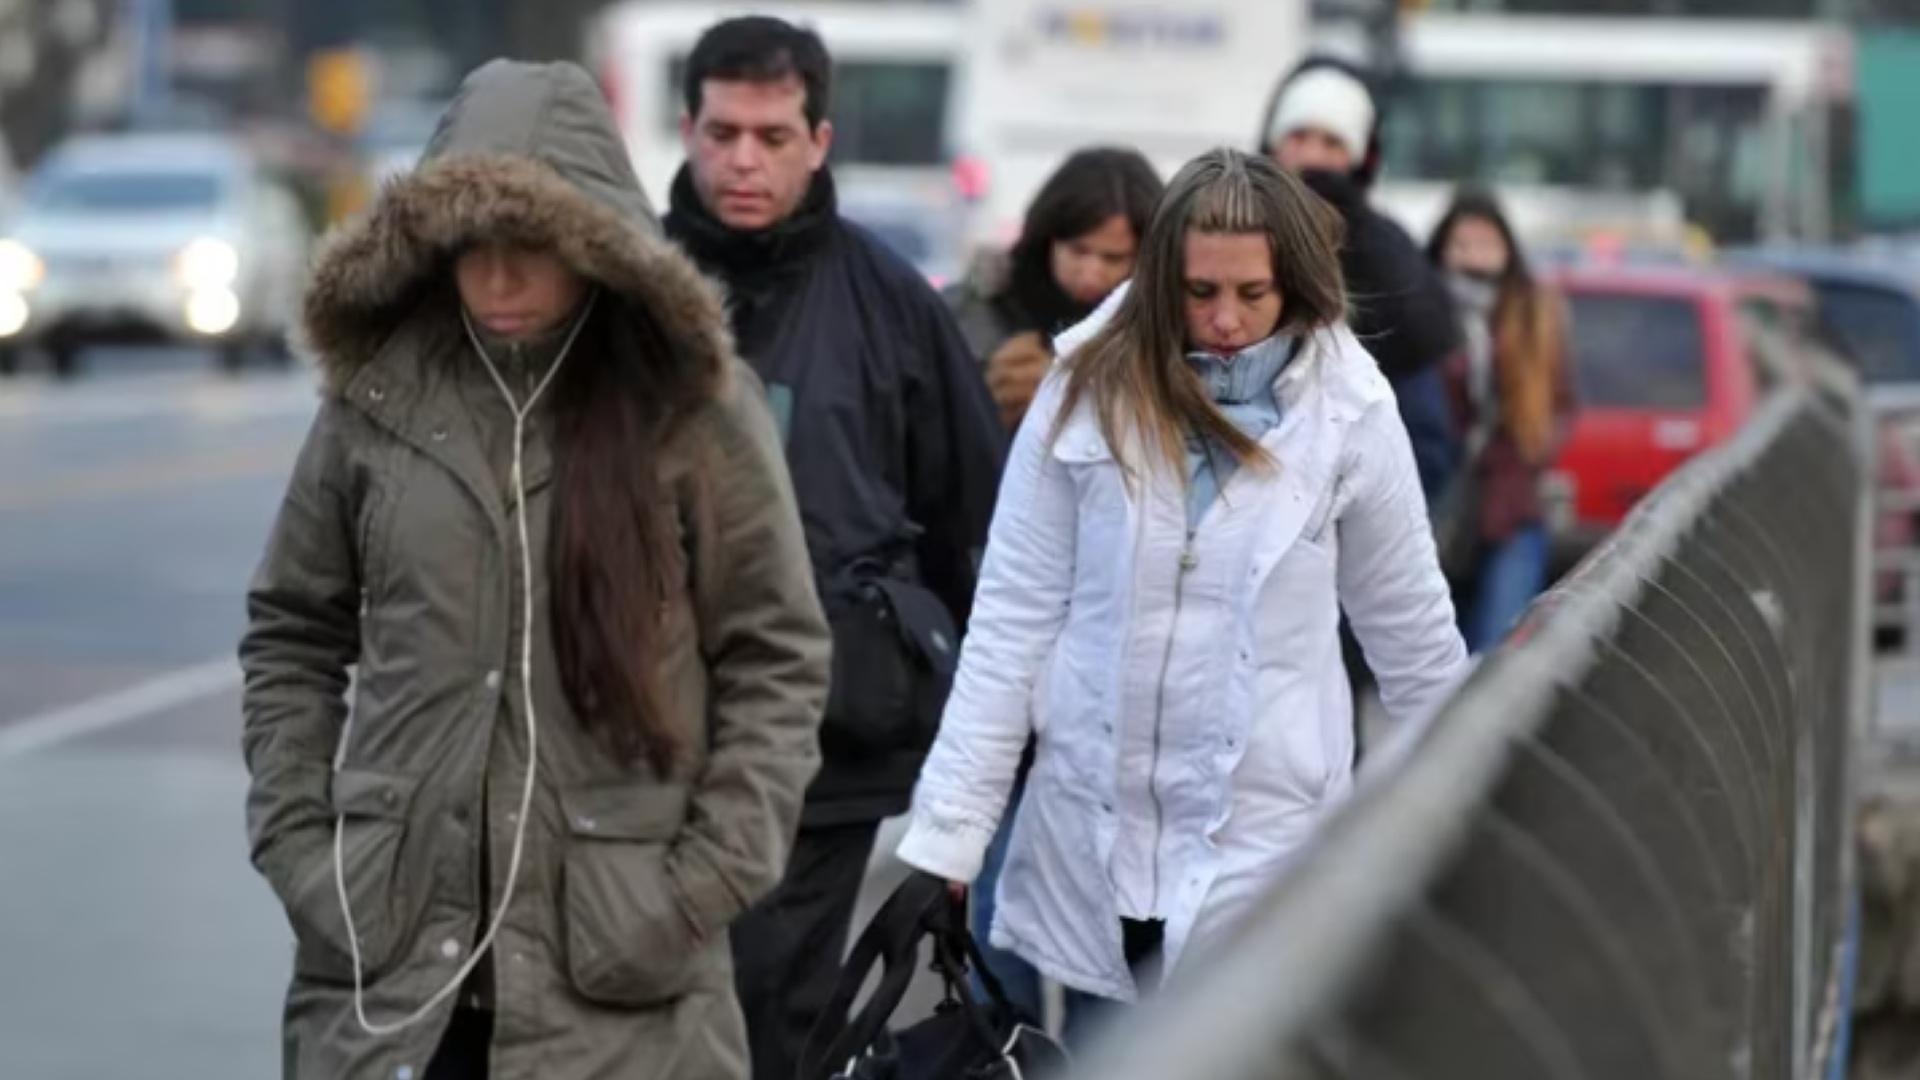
[{"x": 544, "y": 515}]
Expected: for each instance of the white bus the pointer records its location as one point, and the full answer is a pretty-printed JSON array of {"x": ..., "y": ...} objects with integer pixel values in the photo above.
[
  {"x": 898, "y": 72},
  {"x": 1171, "y": 78},
  {"x": 1731, "y": 116}
]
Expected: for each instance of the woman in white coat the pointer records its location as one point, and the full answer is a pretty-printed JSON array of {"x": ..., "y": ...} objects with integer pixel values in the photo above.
[{"x": 1214, "y": 470}]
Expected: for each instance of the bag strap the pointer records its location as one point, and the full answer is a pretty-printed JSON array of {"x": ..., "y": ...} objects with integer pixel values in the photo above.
[
  {"x": 954, "y": 947},
  {"x": 892, "y": 938},
  {"x": 921, "y": 907}
]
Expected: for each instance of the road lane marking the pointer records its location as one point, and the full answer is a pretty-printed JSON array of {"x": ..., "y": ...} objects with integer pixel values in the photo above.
[
  {"x": 142, "y": 701},
  {"x": 160, "y": 397},
  {"x": 149, "y": 478}
]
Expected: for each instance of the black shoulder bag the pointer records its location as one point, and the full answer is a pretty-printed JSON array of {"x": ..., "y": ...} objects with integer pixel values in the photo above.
[{"x": 962, "y": 1040}]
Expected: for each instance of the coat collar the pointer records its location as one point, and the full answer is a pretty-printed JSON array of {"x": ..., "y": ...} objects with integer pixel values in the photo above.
[
  {"x": 1323, "y": 392},
  {"x": 1331, "y": 365}
]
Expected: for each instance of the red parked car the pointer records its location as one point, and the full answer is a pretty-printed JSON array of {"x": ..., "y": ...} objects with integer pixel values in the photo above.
[{"x": 1663, "y": 371}]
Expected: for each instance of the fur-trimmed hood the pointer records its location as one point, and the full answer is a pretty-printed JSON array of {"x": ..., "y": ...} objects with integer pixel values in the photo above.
[{"x": 527, "y": 152}]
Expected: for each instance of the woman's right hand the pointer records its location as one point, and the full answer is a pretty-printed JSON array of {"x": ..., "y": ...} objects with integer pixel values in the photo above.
[{"x": 1014, "y": 374}]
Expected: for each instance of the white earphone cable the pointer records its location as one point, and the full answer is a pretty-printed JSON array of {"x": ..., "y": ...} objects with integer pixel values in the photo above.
[{"x": 521, "y": 410}]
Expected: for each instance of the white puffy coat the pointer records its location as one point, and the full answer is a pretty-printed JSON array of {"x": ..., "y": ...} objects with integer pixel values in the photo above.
[{"x": 1218, "y": 695}]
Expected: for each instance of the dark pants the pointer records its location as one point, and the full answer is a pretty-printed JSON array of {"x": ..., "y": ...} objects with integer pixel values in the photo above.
[
  {"x": 1142, "y": 941},
  {"x": 788, "y": 951},
  {"x": 463, "y": 1049}
]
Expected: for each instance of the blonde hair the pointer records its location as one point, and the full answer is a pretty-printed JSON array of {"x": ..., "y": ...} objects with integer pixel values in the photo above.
[
  {"x": 1133, "y": 371},
  {"x": 1529, "y": 350}
]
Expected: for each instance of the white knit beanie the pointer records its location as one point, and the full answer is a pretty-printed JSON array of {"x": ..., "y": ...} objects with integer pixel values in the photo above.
[{"x": 1330, "y": 100}]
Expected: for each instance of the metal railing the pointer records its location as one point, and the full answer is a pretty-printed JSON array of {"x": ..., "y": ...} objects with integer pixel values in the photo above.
[{"x": 1623, "y": 851}]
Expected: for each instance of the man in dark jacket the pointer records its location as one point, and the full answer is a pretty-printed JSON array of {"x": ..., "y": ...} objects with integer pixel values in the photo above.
[
  {"x": 1323, "y": 124},
  {"x": 895, "y": 448}
]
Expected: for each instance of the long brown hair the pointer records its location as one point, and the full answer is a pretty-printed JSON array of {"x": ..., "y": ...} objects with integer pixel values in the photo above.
[
  {"x": 1134, "y": 370},
  {"x": 1529, "y": 329},
  {"x": 617, "y": 556}
]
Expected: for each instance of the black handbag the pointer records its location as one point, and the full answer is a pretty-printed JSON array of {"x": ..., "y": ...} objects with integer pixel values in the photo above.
[
  {"x": 964, "y": 1039},
  {"x": 1456, "y": 521},
  {"x": 895, "y": 650}
]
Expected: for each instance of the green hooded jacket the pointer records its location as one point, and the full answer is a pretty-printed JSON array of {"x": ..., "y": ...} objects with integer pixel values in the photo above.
[{"x": 396, "y": 553}]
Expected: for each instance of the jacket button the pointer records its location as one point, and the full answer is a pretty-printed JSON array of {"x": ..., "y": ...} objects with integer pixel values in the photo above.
[
  {"x": 450, "y": 948},
  {"x": 439, "y": 434},
  {"x": 390, "y": 797},
  {"x": 376, "y": 394},
  {"x": 493, "y": 680}
]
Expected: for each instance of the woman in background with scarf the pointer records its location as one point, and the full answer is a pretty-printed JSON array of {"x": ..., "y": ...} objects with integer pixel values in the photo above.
[{"x": 1512, "y": 391}]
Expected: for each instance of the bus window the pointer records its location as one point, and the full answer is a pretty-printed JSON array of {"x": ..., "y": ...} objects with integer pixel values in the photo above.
[
  {"x": 883, "y": 112},
  {"x": 1699, "y": 142}
]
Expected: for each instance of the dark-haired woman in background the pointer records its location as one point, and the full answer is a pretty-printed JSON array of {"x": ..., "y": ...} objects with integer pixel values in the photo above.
[
  {"x": 1512, "y": 392},
  {"x": 1076, "y": 246}
]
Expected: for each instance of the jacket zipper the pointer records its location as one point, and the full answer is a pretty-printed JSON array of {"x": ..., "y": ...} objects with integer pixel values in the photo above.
[
  {"x": 365, "y": 557},
  {"x": 1188, "y": 560}
]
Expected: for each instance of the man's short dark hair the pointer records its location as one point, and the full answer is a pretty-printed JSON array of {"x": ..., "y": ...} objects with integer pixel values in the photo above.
[{"x": 760, "y": 49}]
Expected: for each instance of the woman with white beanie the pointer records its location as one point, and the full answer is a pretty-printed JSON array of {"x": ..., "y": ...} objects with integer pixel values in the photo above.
[{"x": 1323, "y": 124}]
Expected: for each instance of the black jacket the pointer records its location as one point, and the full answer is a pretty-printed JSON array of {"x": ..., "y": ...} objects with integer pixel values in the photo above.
[{"x": 894, "y": 444}]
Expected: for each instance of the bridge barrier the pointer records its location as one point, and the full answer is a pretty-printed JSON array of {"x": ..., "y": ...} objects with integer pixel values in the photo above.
[{"x": 1623, "y": 851}]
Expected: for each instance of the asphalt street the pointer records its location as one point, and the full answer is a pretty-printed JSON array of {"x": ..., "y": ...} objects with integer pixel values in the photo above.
[{"x": 135, "y": 938}]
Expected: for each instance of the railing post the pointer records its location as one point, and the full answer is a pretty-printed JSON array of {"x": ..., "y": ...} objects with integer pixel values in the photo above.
[{"x": 1806, "y": 800}]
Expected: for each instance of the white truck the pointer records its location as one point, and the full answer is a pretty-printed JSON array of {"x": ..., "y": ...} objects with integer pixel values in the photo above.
[
  {"x": 1171, "y": 78},
  {"x": 897, "y": 75}
]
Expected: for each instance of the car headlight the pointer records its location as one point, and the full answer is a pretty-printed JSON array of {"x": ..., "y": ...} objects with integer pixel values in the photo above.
[
  {"x": 207, "y": 264},
  {"x": 20, "y": 268}
]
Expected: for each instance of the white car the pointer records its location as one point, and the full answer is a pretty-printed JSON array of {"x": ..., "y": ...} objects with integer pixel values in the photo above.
[{"x": 150, "y": 240}]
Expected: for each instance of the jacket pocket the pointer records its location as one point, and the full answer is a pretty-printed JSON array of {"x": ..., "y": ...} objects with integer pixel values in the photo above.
[
  {"x": 629, "y": 943},
  {"x": 370, "y": 828},
  {"x": 895, "y": 649}
]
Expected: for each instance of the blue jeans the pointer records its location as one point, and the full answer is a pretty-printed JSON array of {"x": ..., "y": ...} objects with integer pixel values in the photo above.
[
  {"x": 1512, "y": 573},
  {"x": 1017, "y": 977}
]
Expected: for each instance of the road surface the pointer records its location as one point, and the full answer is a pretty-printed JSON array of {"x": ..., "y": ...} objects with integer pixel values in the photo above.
[{"x": 135, "y": 939}]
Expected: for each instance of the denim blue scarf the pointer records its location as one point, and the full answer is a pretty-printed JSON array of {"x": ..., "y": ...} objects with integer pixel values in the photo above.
[{"x": 1242, "y": 385}]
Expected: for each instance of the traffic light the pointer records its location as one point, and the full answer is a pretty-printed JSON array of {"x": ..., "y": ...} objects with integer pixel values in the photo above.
[{"x": 337, "y": 90}]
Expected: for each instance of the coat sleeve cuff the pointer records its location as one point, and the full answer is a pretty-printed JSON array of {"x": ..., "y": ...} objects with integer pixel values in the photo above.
[{"x": 948, "y": 849}]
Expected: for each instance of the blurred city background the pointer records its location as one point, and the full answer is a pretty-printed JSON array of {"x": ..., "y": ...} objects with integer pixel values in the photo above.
[{"x": 1728, "y": 190}]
